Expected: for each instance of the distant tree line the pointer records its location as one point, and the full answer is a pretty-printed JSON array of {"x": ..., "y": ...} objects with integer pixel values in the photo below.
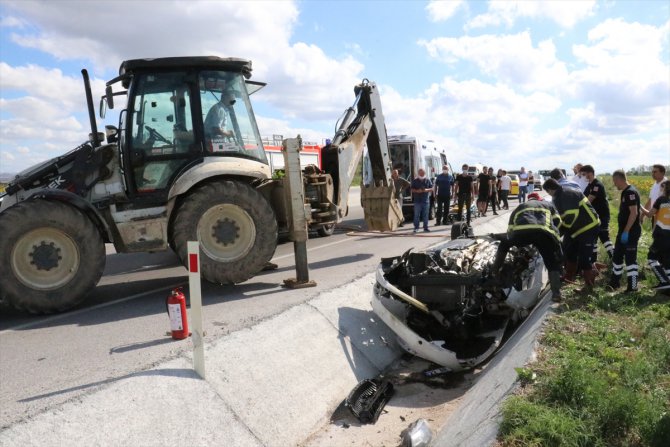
[{"x": 643, "y": 169}]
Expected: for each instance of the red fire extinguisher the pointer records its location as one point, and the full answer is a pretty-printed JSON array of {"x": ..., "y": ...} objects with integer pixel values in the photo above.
[{"x": 176, "y": 307}]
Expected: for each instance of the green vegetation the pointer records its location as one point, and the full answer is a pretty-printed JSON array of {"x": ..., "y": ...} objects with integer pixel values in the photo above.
[{"x": 603, "y": 372}]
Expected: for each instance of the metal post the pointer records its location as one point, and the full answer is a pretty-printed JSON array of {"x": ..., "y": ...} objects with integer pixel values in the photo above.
[
  {"x": 195, "y": 293},
  {"x": 298, "y": 212}
]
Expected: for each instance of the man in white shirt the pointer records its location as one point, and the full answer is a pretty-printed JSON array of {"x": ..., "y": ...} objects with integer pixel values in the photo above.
[
  {"x": 557, "y": 175},
  {"x": 658, "y": 174},
  {"x": 505, "y": 186},
  {"x": 217, "y": 117},
  {"x": 578, "y": 178},
  {"x": 523, "y": 183}
]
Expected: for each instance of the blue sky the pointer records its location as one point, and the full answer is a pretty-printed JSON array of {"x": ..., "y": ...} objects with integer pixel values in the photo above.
[{"x": 533, "y": 83}]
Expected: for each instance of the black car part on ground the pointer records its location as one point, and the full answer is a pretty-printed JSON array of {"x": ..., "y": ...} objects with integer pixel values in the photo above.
[{"x": 368, "y": 398}]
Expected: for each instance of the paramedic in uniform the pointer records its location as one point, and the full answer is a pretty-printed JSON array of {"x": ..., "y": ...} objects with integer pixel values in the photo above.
[
  {"x": 625, "y": 247},
  {"x": 535, "y": 222},
  {"x": 580, "y": 226},
  {"x": 595, "y": 192},
  {"x": 658, "y": 257}
]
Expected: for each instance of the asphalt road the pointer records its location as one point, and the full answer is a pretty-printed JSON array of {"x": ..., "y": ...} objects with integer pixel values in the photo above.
[{"x": 121, "y": 328}]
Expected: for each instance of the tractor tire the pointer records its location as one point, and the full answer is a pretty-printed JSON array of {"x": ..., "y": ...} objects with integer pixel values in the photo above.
[
  {"x": 51, "y": 256},
  {"x": 326, "y": 230},
  {"x": 236, "y": 228}
]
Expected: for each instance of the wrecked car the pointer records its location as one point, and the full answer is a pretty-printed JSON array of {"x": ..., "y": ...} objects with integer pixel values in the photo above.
[{"x": 446, "y": 306}]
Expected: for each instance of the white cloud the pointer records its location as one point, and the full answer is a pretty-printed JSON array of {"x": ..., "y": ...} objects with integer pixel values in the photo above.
[
  {"x": 510, "y": 58},
  {"x": 565, "y": 14},
  {"x": 303, "y": 82},
  {"x": 260, "y": 31},
  {"x": 65, "y": 93},
  {"x": 8, "y": 156},
  {"x": 11, "y": 22},
  {"x": 625, "y": 77},
  {"x": 442, "y": 10},
  {"x": 478, "y": 122}
]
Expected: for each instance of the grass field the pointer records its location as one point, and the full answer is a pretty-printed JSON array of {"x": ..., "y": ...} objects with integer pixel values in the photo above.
[{"x": 602, "y": 377}]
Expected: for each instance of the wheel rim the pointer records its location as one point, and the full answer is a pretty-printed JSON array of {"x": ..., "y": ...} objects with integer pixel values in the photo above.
[
  {"x": 45, "y": 259},
  {"x": 226, "y": 232}
]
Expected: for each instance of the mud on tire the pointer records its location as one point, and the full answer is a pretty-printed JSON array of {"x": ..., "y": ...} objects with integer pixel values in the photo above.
[
  {"x": 236, "y": 227},
  {"x": 51, "y": 256}
]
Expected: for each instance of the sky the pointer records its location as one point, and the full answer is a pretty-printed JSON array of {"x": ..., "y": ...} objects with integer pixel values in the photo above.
[{"x": 507, "y": 84}]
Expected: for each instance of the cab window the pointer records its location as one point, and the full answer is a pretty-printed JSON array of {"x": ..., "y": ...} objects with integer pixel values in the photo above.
[
  {"x": 229, "y": 126},
  {"x": 162, "y": 138}
]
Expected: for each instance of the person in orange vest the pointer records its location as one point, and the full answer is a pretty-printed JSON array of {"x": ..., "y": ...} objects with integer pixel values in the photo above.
[{"x": 658, "y": 257}]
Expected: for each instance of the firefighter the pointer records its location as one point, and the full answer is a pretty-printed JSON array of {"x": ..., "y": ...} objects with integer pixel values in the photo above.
[
  {"x": 625, "y": 246},
  {"x": 579, "y": 226},
  {"x": 535, "y": 222}
]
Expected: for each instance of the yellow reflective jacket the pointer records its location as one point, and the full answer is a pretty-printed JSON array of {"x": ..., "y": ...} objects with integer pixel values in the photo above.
[
  {"x": 535, "y": 215},
  {"x": 577, "y": 213}
]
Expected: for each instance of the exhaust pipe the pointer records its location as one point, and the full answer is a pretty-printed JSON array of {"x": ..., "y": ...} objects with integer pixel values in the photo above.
[{"x": 91, "y": 110}]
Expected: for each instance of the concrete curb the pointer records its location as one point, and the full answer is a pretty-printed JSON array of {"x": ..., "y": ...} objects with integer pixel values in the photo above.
[
  {"x": 273, "y": 384},
  {"x": 476, "y": 421}
]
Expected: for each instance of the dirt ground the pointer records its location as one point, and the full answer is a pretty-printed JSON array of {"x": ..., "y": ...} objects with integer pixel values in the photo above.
[{"x": 415, "y": 397}]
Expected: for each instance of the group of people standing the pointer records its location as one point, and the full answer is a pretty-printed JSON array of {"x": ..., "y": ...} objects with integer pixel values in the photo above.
[
  {"x": 579, "y": 213},
  {"x": 488, "y": 189}
]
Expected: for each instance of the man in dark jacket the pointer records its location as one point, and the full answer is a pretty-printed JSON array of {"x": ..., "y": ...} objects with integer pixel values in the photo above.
[
  {"x": 422, "y": 188},
  {"x": 580, "y": 226},
  {"x": 535, "y": 222},
  {"x": 444, "y": 183},
  {"x": 464, "y": 191}
]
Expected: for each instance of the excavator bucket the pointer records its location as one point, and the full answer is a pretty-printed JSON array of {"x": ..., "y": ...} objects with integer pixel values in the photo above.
[{"x": 381, "y": 208}]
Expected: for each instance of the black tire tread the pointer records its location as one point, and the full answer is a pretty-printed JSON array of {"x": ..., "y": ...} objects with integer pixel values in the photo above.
[
  {"x": 29, "y": 215},
  {"x": 198, "y": 201}
]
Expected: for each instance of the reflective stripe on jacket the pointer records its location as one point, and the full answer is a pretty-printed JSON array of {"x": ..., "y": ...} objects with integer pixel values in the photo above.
[
  {"x": 535, "y": 215},
  {"x": 577, "y": 213}
]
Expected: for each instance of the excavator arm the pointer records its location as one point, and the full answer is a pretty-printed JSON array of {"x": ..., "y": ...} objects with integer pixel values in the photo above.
[{"x": 363, "y": 124}]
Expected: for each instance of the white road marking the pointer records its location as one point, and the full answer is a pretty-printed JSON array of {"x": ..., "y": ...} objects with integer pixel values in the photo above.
[
  {"x": 87, "y": 309},
  {"x": 132, "y": 297},
  {"x": 313, "y": 248}
]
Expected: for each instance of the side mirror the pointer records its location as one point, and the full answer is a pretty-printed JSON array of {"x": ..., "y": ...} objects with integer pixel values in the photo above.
[
  {"x": 112, "y": 133},
  {"x": 109, "y": 94},
  {"x": 102, "y": 110}
]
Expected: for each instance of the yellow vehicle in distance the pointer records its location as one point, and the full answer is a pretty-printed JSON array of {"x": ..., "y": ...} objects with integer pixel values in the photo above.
[{"x": 514, "y": 189}]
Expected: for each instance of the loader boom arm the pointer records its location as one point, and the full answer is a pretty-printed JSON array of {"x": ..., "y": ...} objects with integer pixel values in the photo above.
[{"x": 363, "y": 124}]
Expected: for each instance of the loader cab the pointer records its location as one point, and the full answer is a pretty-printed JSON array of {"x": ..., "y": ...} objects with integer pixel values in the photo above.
[{"x": 180, "y": 112}]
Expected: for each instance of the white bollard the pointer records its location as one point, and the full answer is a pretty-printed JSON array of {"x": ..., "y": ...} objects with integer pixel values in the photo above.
[{"x": 195, "y": 293}]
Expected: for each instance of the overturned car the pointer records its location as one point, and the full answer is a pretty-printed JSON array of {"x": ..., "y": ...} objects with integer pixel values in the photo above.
[{"x": 445, "y": 305}]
